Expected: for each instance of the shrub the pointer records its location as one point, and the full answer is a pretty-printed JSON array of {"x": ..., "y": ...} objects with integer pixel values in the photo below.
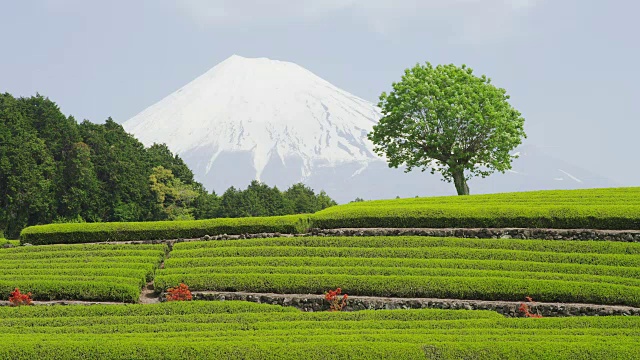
[
  {"x": 335, "y": 304},
  {"x": 179, "y": 293},
  {"x": 18, "y": 299},
  {"x": 583, "y": 209},
  {"x": 80, "y": 272},
  {"x": 526, "y": 311},
  {"x": 159, "y": 230}
]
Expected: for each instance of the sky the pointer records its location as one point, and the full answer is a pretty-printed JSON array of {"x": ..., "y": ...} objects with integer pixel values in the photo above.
[{"x": 571, "y": 67}]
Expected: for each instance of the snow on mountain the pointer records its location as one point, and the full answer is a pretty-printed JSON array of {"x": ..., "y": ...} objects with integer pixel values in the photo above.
[
  {"x": 263, "y": 107},
  {"x": 274, "y": 121}
]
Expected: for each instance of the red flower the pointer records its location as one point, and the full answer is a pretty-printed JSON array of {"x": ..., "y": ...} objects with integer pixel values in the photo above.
[
  {"x": 16, "y": 298},
  {"x": 332, "y": 297},
  {"x": 179, "y": 293}
]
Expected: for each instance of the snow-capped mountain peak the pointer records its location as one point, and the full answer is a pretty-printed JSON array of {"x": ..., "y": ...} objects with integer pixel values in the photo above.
[{"x": 267, "y": 108}]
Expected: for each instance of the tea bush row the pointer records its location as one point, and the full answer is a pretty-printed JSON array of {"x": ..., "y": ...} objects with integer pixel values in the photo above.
[
  {"x": 412, "y": 253},
  {"x": 192, "y": 265},
  {"x": 154, "y": 230},
  {"x": 424, "y": 215},
  {"x": 616, "y": 209},
  {"x": 488, "y": 269},
  {"x": 80, "y": 272},
  {"x": 252, "y": 331},
  {"x": 599, "y": 247},
  {"x": 448, "y": 287}
]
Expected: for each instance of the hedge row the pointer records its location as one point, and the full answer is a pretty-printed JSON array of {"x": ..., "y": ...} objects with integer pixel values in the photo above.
[
  {"x": 415, "y": 253},
  {"x": 489, "y": 269},
  {"x": 72, "y": 313},
  {"x": 90, "y": 290},
  {"x": 251, "y": 331},
  {"x": 79, "y": 272},
  {"x": 72, "y": 262},
  {"x": 191, "y": 265},
  {"x": 605, "y": 196},
  {"x": 616, "y": 217},
  {"x": 195, "y": 273},
  {"x": 138, "y": 348},
  {"x": 448, "y": 287},
  {"x": 600, "y": 247},
  {"x": 100, "y": 232},
  {"x": 617, "y": 208},
  {"x": 4, "y": 241}
]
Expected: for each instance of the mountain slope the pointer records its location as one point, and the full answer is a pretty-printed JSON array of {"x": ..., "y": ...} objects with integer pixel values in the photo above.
[
  {"x": 268, "y": 110},
  {"x": 276, "y": 122}
]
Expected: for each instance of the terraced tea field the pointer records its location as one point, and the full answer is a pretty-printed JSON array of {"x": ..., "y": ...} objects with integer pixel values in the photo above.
[
  {"x": 616, "y": 208},
  {"x": 214, "y": 330},
  {"x": 596, "y": 272},
  {"x": 613, "y": 209},
  {"x": 591, "y": 272},
  {"x": 79, "y": 272}
]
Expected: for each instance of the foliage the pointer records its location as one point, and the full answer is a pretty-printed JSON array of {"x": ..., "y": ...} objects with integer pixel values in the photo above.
[
  {"x": 234, "y": 330},
  {"x": 447, "y": 120},
  {"x": 174, "y": 199},
  {"x": 80, "y": 272},
  {"x": 481, "y": 269},
  {"x": 335, "y": 303},
  {"x": 179, "y": 293},
  {"x": 259, "y": 199},
  {"x": 154, "y": 230},
  {"x": 18, "y": 299},
  {"x": 617, "y": 208},
  {"x": 525, "y": 310},
  {"x": 53, "y": 169}
]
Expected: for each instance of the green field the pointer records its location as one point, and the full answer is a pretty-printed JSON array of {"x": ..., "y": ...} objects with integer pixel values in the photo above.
[
  {"x": 597, "y": 272},
  {"x": 592, "y": 272},
  {"x": 79, "y": 272},
  {"x": 617, "y": 208},
  {"x": 237, "y": 330}
]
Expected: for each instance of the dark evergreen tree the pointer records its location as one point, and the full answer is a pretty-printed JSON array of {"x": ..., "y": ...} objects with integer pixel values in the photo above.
[{"x": 53, "y": 169}]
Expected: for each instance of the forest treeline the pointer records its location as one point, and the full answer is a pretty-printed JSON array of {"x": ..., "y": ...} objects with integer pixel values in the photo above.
[{"x": 54, "y": 169}]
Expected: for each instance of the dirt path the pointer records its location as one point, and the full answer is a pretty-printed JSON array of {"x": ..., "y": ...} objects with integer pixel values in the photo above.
[{"x": 148, "y": 295}]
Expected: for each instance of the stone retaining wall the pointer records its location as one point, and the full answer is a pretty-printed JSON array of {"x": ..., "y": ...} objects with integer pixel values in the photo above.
[
  {"x": 313, "y": 303},
  {"x": 477, "y": 233},
  {"x": 491, "y": 233}
]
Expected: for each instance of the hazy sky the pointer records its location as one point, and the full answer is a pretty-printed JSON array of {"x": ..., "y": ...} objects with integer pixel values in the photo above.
[{"x": 571, "y": 67}]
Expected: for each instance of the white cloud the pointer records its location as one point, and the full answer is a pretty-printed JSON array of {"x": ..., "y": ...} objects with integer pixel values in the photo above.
[{"x": 467, "y": 20}]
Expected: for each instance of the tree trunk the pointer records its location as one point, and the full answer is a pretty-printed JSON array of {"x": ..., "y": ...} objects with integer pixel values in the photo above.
[{"x": 460, "y": 181}]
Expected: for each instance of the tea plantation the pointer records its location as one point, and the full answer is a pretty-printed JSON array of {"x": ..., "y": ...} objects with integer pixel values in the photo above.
[
  {"x": 215, "y": 330},
  {"x": 64, "y": 266}
]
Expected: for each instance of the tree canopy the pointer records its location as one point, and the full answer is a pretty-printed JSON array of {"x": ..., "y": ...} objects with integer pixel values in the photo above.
[
  {"x": 53, "y": 169},
  {"x": 447, "y": 120}
]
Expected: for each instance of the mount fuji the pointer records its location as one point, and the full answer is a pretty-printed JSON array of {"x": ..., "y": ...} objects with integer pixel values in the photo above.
[{"x": 277, "y": 122}]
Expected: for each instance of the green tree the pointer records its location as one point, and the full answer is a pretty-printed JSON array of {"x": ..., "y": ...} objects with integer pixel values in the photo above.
[
  {"x": 160, "y": 155},
  {"x": 303, "y": 200},
  {"x": 174, "y": 199},
  {"x": 80, "y": 197},
  {"x": 207, "y": 205},
  {"x": 448, "y": 120}
]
